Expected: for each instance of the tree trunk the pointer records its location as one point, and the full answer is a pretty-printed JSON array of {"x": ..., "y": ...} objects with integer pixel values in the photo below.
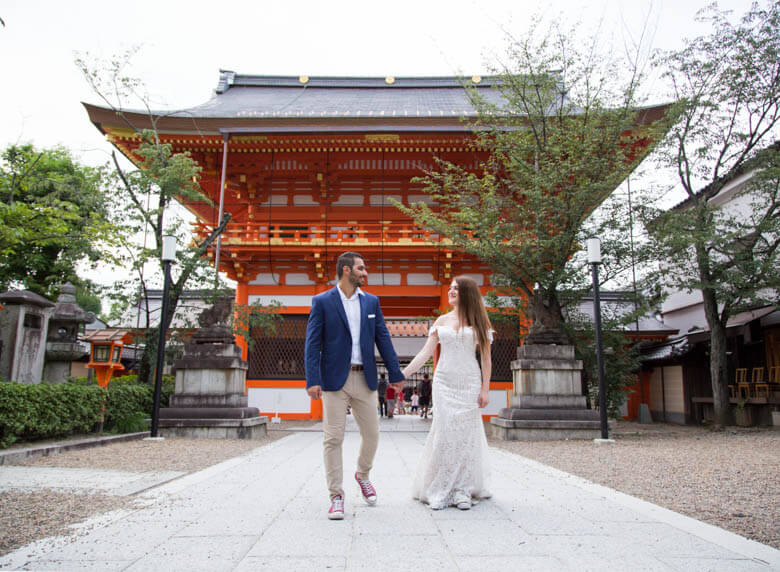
[
  {"x": 148, "y": 356},
  {"x": 718, "y": 360},
  {"x": 546, "y": 317}
]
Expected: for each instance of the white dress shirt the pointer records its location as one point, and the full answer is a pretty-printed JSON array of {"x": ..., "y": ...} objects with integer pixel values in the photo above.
[{"x": 352, "y": 310}]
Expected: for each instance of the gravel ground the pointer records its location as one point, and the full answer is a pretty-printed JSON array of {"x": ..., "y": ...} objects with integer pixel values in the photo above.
[
  {"x": 25, "y": 517},
  {"x": 730, "y": 479},
  {"x": 185, "y": 455}
]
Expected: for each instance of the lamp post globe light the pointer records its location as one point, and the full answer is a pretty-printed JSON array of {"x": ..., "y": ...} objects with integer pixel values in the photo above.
[
  {"x": 168, "y": 257},
  {"x": 594, "y": 259}
]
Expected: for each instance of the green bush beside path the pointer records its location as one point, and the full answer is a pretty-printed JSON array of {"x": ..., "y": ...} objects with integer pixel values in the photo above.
[{"x": 45, "y": 411}]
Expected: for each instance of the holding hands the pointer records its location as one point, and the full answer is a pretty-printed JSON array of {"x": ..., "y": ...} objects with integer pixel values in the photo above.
[
  {"x": 484, "y": 398},
  {"x": 315, "y": 392}
]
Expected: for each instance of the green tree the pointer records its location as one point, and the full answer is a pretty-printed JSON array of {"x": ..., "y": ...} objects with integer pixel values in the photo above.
[
  {"x": 166, "y": 177},
  {"x": 728, "y": 84},
  {"x": 88, "y": 297},
  {"x": 53, "y": 216},
  {"x": 559, "y": 144},
  {"x": 149, "y": 196}
]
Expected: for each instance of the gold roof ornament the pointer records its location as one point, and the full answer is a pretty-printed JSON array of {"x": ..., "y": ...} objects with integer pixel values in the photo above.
[
  {"x": 304, "y": 79},
  {"x": 389, "y": 80}
]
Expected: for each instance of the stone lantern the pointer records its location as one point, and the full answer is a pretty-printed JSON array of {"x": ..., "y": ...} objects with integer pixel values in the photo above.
[
  {"x": 23, "y": 324},
  {"x": 62, "y": 344}
]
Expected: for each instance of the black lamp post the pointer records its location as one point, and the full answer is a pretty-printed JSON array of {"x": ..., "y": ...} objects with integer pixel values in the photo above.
[
  {"x": 594, "y": 259},
  {"x": 168, "y": 257}
]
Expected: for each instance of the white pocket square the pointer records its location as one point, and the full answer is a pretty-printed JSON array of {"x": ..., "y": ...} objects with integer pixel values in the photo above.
[{"x": 372, "y": 315}]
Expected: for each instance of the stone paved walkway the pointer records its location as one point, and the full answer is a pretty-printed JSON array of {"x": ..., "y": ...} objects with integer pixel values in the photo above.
[{"x": 266, "y": 511}]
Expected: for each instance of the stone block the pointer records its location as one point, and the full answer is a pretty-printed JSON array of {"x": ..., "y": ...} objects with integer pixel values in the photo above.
[
  {"x": 209, "y": 412},
  {"x": 252, "y": 428},
  {"x": 533, "y": 380},
  {"x": 545, "y": 351},
  {"x": 550, "y": 430},
  {"x": 548, "y": 401},
  {"x": 209, "y": 387},
  {"x": 573, "y": 414}
]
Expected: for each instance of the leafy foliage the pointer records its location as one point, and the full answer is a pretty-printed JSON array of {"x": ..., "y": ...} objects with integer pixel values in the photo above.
[
  {"x": 150, "y": 196},
  {"x": 559, "y": 144},
  {"x": 29, "y": 412},
  {"x": 53, "y": 215},
  {"x": 252, "y": 317},
  {"x": 728, "y": 85},
  {"x": 621, "y": 357}
]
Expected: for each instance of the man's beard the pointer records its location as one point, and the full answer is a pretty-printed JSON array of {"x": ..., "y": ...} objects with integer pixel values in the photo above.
[{"x": 355, "y": 280}]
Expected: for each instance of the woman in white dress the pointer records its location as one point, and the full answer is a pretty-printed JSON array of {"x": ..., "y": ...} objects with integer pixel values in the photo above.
[{"x": 454, "y": 470}]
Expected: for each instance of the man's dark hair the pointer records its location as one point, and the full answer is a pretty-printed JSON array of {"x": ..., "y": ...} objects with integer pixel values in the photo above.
[{"x": 346, "y": 259}]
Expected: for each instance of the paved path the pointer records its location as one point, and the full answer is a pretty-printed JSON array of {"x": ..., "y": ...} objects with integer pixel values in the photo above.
[
  {"x": 402, "y": 423},
  {"x": 266, "y": 511}
]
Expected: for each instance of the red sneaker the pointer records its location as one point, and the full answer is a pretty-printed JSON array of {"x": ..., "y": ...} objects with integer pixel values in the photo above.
[
  {"x": 367, "y": 490},
  {"x": 336, "y": 511}
]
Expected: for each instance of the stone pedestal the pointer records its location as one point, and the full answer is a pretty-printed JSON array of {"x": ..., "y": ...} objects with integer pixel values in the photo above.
[
  {"x": 547, "y": 401},
  {"x": 209, "y": 399}
]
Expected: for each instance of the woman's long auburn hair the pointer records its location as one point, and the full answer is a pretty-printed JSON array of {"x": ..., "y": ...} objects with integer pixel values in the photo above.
[{"x": 471, "y": 310}]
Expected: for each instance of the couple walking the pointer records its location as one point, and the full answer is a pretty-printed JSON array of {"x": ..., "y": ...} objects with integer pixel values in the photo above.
[{"x": 345, "y": 323}]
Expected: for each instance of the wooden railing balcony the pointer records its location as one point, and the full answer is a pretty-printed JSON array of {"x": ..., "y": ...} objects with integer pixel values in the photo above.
[{"x": 370, "y": 234}]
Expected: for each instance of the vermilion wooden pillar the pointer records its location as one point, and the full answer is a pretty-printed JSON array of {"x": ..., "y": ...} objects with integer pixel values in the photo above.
[{"x": 242, "y": 297}]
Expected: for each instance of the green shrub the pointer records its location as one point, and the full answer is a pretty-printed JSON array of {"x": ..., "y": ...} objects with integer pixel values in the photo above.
[
  {"x": 124, "y": 401},
  {"x": 135, "y": 423},
  {"x": 168, "y": 382},
  {"x": 44, "y": 411}
]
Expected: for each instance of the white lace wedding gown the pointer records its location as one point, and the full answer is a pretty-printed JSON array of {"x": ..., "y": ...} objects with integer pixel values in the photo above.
[{"x": 454, "y": 464}]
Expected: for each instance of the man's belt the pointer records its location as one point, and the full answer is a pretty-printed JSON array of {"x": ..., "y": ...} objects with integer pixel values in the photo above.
[{"x": 356, "y": 367}]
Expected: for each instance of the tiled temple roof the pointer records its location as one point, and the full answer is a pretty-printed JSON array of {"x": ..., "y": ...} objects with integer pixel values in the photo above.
[
  {"x": 666, "y": 350},
  {"x": 254, "y": 96}
]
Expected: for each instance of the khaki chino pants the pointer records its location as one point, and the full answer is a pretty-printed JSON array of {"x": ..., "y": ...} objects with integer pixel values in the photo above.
[{"x": 363, "y": 400}]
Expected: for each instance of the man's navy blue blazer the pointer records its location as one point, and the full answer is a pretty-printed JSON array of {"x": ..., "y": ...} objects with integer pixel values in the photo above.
[{"x": 329, "y": 342}]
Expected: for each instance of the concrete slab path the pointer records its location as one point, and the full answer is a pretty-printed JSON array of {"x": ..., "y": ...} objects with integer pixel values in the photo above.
[{"x": 266, "y": 511}]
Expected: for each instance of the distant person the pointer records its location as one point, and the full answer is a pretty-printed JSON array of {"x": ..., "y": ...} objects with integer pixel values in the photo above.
[
  {"x": 345, "y": 324},
  {"x": 390, "y": 401},
  {"x": 425, "y": 395},
  {"x": 415, "y": 401},
  {"x": 380, "y": 393},
  {"x": 454, "y": 467}
]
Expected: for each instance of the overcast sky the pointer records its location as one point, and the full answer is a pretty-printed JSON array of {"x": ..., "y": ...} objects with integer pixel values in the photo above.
[{"x": 184, "y": 44}]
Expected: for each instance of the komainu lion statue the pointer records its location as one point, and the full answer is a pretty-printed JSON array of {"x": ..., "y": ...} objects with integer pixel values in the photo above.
[{"x": 218, "y": 314}]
